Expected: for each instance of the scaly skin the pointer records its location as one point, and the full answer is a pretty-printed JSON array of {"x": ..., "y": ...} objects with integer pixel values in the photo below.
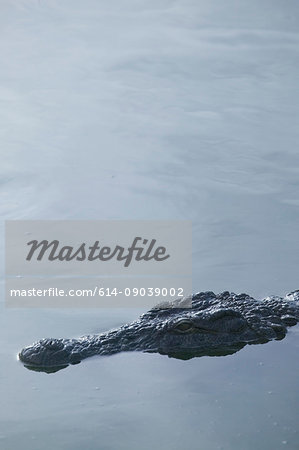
[{"x": 215, "y": 325}]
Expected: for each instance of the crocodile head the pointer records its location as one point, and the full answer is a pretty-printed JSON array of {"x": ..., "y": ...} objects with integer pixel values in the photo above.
[{"x": 216, "y": 325}]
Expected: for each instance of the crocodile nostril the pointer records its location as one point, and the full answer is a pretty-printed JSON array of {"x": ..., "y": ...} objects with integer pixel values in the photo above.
[{"x": 52, "y": 344}]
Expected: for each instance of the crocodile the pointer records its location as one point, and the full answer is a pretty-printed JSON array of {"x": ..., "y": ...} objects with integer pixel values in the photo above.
[{"x": 214, "y": 325}]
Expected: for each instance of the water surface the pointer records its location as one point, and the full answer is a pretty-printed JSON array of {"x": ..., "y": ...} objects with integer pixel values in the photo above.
[{"x": 155, "y": 110}]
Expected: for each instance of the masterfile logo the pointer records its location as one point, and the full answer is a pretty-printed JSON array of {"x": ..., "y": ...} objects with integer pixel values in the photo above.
[
  {"x": 95, "y": 252},
  {"x": 108, "y": 263}
]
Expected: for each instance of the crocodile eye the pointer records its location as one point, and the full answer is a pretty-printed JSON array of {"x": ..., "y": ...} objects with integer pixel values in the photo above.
[{"x": 184, "y": 326}]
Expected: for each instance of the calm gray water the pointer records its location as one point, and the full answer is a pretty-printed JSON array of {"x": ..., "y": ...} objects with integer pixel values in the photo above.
[{"x": 156, "y": 109}]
